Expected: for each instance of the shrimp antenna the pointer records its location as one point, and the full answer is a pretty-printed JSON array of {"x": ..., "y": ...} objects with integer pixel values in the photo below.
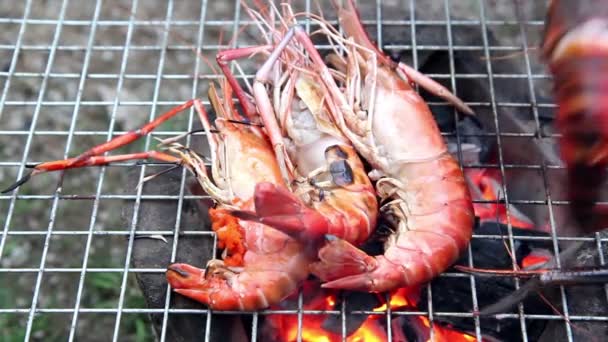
[
  {"x": 246, "y": 122},
  {"x": 152, "y": 176},
  {"x": 19, "y": 183}
]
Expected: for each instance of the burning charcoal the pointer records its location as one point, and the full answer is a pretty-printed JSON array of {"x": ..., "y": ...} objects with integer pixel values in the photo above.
[
  {"x": 588, "y": 300},
  {"x": 410, "y": 328},
  {"x": 154, "y": 215},
  {"x": 454, "y": 294},
  {"x": 517, "y": 151},
  {"x": 417, "y": 329},
  {"x": 354, "y": 301},
  {"x": 490, "y": 253}
]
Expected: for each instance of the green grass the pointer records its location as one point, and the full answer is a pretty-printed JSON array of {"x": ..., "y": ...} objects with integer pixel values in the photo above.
[
  {"x": 101, "y": 290},
  {"x": 45, "y": 328},
  {"x": 13, "y": 326},
  {"x": 105, "y": 290}
]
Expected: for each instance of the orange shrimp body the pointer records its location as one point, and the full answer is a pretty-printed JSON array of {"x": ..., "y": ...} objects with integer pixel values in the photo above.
[
  {"x": 331, "y": 193},
  {"x": 575, "y": 46},
  {"x": 273, "y": 264},
  {"x": 421, "y": 186}
]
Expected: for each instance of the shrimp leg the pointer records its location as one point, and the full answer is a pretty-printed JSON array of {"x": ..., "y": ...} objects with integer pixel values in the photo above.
[{"x": 88, "y": 158}]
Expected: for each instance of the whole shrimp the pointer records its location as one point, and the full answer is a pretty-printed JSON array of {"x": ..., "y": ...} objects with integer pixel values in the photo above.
[
  {"x": 421, "y": 185},
  {"x": 330, "y": 190},
  {"x": 575, "y": 47},
  {"x": 263, "y": 265},
  {"x": 273, "y": 264}
]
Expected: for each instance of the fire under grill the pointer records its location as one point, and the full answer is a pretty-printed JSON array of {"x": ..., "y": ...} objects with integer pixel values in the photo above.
[{"x": 83, "y": 253}]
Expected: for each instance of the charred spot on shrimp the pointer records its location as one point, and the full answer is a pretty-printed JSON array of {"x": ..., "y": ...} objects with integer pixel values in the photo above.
[
  {"x": 341, "y": 173},
  {"x": 335, "y": 152},
  {"x": 339, "y": 169}
]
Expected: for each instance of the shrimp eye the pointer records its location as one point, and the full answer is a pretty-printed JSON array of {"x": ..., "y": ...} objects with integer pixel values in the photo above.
[{"x": 341, "y": 173}]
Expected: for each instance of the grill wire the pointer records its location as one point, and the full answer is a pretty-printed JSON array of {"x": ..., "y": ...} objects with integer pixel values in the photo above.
[{"x": 64, "y": 64}]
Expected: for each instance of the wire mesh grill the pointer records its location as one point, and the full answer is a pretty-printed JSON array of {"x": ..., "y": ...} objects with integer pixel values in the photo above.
[{"x": 76, "y": 74}]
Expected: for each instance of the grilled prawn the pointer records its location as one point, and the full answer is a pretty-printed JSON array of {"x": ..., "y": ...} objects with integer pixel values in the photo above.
[
  {"x": 262, "y": 265},
  {"x": 422, "y": 188},
  {"x": 575, "y": 47},
  {"x": 273, "y": 264},
  {"x": 330, "y": 190},
  {"x": 421, "y": 184}
]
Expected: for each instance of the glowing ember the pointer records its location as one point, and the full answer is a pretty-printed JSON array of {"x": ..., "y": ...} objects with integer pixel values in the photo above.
[
  {"x": 443, "y": 333},
  {"x": 486, "y": 185},
  {"x": 285, "y": 327},
  {"x": 534, "y": 259},
  {"x": 403, "y": 297}
]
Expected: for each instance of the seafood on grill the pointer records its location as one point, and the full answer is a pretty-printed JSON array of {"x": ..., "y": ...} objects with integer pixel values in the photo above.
[
  {"x": 575, "y": 47},
  {"x": 274, "y": 263},
  {"x": 330, "y": 190},
  {"x": 421, "y": 185},
  {"x": 262, "y": 265}
]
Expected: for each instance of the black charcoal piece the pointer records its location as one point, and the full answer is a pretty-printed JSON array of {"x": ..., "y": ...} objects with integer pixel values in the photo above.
[
  {"x": 155, "y": 215},
  {"x": 414, "y": 330},
  {"x": 451, "y": 294},
  {"x": 492, "y": 253},
  {"x": 587, "y": 300}
]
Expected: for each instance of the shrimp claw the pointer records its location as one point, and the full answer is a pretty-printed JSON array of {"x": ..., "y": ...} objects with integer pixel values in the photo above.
[{"x": 280, "y": 209}]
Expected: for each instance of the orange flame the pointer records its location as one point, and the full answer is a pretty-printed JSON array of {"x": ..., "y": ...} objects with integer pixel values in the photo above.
[
  {"x": 534, "y": 259},
  {"x": 371, "y": 330},
  {"x": 403, "y": 297},
  {"x": 489, "y": 185},
  {"x": 445, "y": 334},
  {"x": 312, "y": 330}
]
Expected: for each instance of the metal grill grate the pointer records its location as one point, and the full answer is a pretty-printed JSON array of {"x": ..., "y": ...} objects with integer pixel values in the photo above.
[{"x": 75, "y": 74}]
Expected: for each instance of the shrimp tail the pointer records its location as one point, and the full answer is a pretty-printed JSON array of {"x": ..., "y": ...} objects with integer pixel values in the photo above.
[
  {"x": 189, "y": 281},
  {"x": 228, "y": 288},
  {"x": 344, "y": 266},
  {"x": 278, "y": 208},
  {"x": 339, "y": 259}
]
